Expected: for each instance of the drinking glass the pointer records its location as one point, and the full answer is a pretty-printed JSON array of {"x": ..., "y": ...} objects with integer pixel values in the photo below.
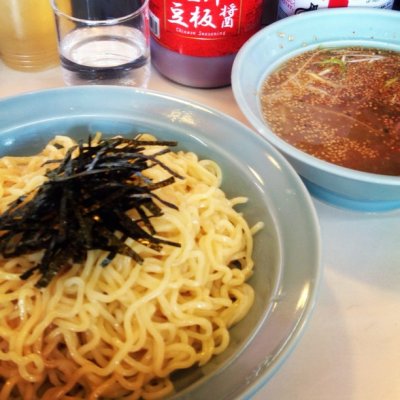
[
  {"x": 27, "y": 35},
  {"x": 103, "y": 42}
]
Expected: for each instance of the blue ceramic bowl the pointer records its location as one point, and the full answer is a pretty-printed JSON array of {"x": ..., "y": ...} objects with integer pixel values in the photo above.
[
  {"x": 287, "y": 261},
  {"x": 283, "y": 39}
]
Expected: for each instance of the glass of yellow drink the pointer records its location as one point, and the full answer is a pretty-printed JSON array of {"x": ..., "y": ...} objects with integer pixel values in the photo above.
[{"x": 28, "y": 39}]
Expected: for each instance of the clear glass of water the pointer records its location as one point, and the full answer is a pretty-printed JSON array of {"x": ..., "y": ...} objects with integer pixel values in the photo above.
[{"x": 103, "y": 42}]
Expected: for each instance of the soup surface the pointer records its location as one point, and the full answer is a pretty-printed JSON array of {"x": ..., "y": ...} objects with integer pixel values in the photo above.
[{"x": 341, "y": 105}]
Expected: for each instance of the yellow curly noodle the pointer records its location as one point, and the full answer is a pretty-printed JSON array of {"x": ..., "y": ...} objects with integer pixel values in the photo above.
[{"x": 121, "y": 330}]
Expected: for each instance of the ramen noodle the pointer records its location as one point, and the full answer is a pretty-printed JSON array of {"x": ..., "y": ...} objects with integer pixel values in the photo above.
[{"x": 120, "y": 331}]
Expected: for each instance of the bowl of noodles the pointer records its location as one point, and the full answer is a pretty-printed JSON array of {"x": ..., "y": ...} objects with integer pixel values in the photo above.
[
  {"x": 143, "y": 255},
  {"x": 323, "y": 87}
]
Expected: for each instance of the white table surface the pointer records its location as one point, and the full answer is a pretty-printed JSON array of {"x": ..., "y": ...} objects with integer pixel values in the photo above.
[{"x": 350, "y": 348}]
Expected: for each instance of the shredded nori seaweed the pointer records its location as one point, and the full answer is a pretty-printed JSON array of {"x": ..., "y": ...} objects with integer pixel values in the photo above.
[{"x": 84, "y": 205}]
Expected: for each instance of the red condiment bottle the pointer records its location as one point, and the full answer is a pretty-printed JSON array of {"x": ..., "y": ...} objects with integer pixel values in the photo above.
[{"x": 194, "y": 42}]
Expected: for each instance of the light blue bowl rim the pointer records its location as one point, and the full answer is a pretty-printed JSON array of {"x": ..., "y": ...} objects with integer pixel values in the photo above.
[{"x": 267, "y": 371}]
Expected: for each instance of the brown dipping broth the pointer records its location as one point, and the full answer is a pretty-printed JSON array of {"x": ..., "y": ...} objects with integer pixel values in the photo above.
[{"x": 341, "y": 105}]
